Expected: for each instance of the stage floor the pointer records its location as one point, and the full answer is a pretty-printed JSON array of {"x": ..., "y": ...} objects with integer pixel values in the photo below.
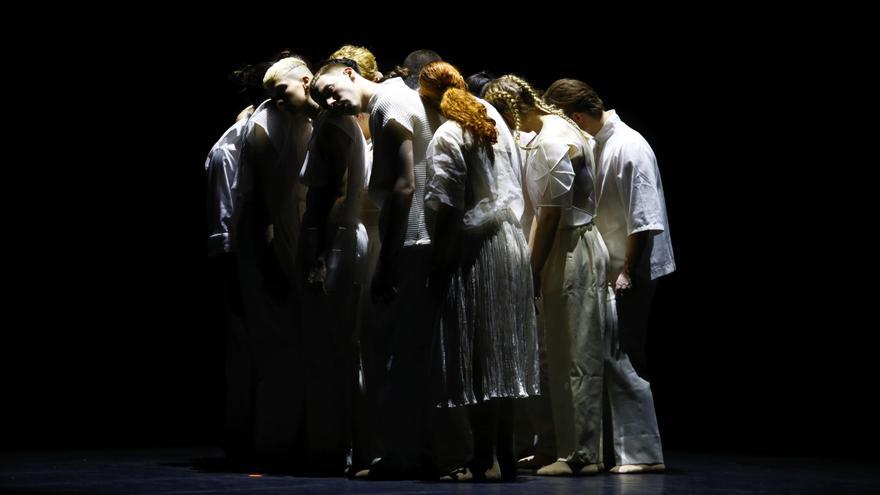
[{"x": 199, "y": 471}]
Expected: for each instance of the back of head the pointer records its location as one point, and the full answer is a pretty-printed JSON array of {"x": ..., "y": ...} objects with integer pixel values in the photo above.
[
  {"x": 279, "y": 69},
  {"x": 249, "y": 79},
  {"x": 477, "y": 82},
  {"x": 286, "y": 53},
  {"x": 437, "y": 77},
  {"x": 442, "y": 84},
  {"x": 365, "y": 60},
  {"x": 514, "y": 96},
  {"x": 572, "y": 95},
  {"x": 413, "y": 64},
  {"x": 511, "y": 95},
  {"x": 419, "y": 58}
]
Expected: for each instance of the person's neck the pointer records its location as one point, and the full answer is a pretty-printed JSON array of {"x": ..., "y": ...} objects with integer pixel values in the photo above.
[
  {"x": 311, "y": 110},
  {"x": 308, "y": 110},
  {"x": 596, "y": 125},
  {"x": 368, "y": 90},
  {"x": 535, "y": 122}
]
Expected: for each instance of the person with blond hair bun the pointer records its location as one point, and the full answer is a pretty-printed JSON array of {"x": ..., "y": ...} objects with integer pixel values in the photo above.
[
  {"x": 569, "y": 262},
  {"x": 473, "y": 200},
  {"x": 363, "y": 56}
]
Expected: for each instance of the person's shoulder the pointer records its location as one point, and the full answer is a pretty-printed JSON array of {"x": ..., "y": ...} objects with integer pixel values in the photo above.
[
  {"x": 630, "y": 143},
  {"x": 558, "y": 131},
  {"x": 345, "y": 122},
  {"x": 260, "y": 117},
  {"x": 244, "y": 114},
  {"x": 625, "y": 134},
  {"x": 449, "y": 133},
  {"x": 387, "y": 89},
  {"x": 337, "y": 130}
]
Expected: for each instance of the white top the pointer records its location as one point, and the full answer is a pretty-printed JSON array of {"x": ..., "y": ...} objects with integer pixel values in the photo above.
[
  {"x": 630, "y": 195},
  {"x": 289, "y": 136},
  {"x": 394, "y": 101},
  {"x": 469, "y": 178},
  {"x": 559, "y": 172},
  {"x": 222, "y": 167},
  {"x": 524, "y": 139},
  {"x": 368, "y": 161}
]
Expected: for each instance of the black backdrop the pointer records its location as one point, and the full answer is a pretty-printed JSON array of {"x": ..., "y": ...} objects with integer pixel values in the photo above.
[{"x": 110, "y": 341}]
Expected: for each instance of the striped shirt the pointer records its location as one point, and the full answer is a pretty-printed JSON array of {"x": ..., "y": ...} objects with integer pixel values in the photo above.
[{"x": 394, "y": 101}]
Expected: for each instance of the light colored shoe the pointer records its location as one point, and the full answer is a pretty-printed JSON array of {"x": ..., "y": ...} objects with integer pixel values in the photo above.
[
  {"x": 639, "y": 468},
  {"x": 494, "y": 472},
  {"x": 526, "y": 462},
  {"x": 558, "y": 468},
  {"x": 460, "y": 474},
  {"x": 534, "y": 462},
  {"x": 365, "y": 473},
  {"x": 590, "y": 469}
]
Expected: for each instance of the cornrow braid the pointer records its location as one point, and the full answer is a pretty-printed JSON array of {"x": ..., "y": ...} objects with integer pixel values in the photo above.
[
  {"x": 505, "y": 101},
  {"x": 539, "y": 102}
]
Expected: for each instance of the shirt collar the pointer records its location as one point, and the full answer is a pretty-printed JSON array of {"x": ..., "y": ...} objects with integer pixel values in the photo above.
[{"x": 608, "y": 128}]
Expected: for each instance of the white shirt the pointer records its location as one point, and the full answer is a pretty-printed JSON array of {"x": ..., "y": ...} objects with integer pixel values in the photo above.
[
  {"x": 222, "y": 167},
  {"x": 394, "y": 101},
  {"x": 559, "y": 172},
  {"x": 289, "y": 136},
  {"x": 630, "y": 195},
  {"x": 457, "y": 165}
]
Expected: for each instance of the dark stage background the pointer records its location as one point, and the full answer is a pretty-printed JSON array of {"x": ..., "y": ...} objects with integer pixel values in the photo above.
[{"x": 109, "y": 339}]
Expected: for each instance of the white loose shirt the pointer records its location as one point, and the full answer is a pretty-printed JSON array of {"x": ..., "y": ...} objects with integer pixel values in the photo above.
[{"x": 630, "y": 198}]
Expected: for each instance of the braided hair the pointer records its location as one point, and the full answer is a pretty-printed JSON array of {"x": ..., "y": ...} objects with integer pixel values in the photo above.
[
  {"x": 440, "y": 82},
  {"x": 514, "y": 95}
]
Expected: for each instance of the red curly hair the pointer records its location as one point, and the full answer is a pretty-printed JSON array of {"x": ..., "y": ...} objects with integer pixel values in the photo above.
[{"x": 441, "y": 83}]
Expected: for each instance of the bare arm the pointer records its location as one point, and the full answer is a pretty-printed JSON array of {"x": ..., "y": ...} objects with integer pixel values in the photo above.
[
  {"x": 528, "y": 217},
  {"x": 354, "y": 178},
  {"x": 637, "y": 186},
  {"x": 395, "y": 212},
  {"x": 402, "y": 193},
  {"x": 444, "y": 229},
  {"x": 545, "y": 233},
  {"x": 635, "y": 249}
]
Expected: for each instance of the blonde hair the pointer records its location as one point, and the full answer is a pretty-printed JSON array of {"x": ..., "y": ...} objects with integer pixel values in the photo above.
[
  {"x": 514, "y": 95},
  {"x": 441, "y": 82},
  {"x": 279, "y": 69},
  {"x": 365, "y": 59}
]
